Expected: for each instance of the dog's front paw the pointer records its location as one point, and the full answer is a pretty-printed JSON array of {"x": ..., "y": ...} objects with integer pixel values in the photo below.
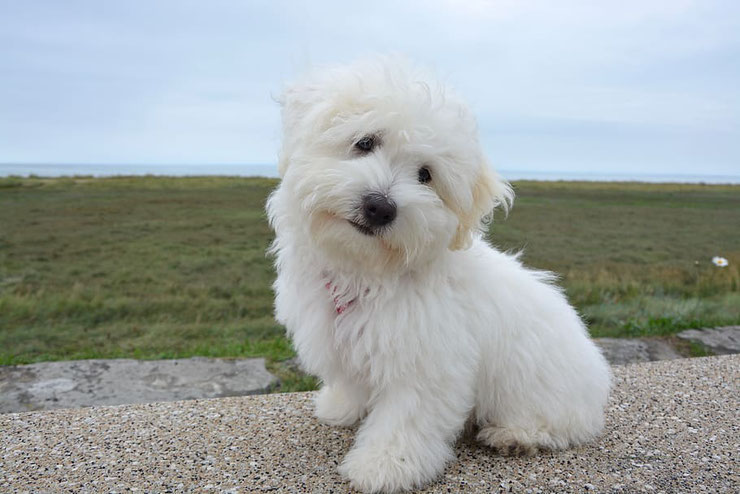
[
  {"x": 339, "y": 406},
  {"x": 376, "y": 472},
  {"x": 389, "y": 469}
]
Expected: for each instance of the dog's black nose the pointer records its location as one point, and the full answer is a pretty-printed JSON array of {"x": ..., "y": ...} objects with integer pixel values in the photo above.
[{"x": 378, "y": 210}]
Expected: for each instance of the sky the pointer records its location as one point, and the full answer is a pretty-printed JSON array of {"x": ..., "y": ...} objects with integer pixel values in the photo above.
[{"x": 648, "y": 86}]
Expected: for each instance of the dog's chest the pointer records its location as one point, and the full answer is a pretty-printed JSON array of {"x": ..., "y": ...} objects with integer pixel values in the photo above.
[
  {"x": 361, "y": 334},
  {"x": 353, "y": 317},
  {"x": 380, "y": 330}
]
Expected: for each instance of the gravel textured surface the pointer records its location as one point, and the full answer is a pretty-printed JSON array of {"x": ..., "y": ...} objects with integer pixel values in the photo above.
[{"x": 672, "y": 427}]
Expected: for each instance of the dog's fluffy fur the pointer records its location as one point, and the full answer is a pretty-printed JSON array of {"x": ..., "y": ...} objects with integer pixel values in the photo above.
[{"x": 416, "y": 326}]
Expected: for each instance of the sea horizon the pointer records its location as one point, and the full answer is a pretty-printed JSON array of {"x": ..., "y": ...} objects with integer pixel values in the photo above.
[{"x": 54, "y": 170}]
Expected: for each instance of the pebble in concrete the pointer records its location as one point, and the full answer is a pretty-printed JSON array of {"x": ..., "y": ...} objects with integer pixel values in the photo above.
[
  {"x": 721, "y": 341},
  {"x": 81, "y": 383},
  {"x": 628, "y": 351}
]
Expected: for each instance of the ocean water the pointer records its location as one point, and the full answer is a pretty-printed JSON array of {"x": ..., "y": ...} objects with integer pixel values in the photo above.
[{"x": 259, "y": 170}]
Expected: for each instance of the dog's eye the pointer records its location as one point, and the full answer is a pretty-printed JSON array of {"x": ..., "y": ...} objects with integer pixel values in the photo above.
[
  {"x": 425, "y": 176},
  {"x": 366, "y": 144}
]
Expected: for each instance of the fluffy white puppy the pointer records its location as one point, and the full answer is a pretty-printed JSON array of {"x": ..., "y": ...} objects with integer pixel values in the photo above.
[{"x": 391, "y": 295}]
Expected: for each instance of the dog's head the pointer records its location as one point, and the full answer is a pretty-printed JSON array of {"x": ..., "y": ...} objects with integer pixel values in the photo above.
[{"x": 382, "y": 165}]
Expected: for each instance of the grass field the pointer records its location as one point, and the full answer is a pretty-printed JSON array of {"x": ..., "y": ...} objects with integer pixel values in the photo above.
[{"x": 174, "y": 267}]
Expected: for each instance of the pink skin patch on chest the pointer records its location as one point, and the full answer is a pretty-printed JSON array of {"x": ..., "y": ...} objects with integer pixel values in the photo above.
[{"x": 339, "y": 307}]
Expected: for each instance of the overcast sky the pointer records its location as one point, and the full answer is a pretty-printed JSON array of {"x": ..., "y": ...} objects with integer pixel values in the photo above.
[{"x": 647, "y": 86}]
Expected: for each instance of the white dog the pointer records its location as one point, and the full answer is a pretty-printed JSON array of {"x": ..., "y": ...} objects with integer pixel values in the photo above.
[{"x": 392, "y": 297}]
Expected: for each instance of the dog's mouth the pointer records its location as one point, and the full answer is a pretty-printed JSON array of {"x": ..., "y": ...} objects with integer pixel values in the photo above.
[
  {"x": 376, "y": 232},
  {"x": 365, "y": 230}
]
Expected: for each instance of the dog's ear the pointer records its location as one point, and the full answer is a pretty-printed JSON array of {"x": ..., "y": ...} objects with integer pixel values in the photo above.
[
  {"x": 488, "y": 192},
  {"x": 297, "y": 101}
]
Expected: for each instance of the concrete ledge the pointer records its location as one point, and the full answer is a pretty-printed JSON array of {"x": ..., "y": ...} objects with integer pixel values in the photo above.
[
  {"x": 672, "y": 427},
  {"x": 98, "y": 382}
]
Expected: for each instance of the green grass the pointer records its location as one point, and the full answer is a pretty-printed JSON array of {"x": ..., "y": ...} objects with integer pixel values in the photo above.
[
  {"x": 173, "y": 267},
  {"x": 634, "y": 258}
]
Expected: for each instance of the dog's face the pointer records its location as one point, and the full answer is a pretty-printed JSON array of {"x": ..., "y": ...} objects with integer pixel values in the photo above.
[{"x": 381, "y": 167}]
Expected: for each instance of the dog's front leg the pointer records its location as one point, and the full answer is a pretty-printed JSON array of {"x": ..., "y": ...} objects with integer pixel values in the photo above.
[
  {"x": 341, "y": 402},
  {"x": 407, "y": 438}
]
